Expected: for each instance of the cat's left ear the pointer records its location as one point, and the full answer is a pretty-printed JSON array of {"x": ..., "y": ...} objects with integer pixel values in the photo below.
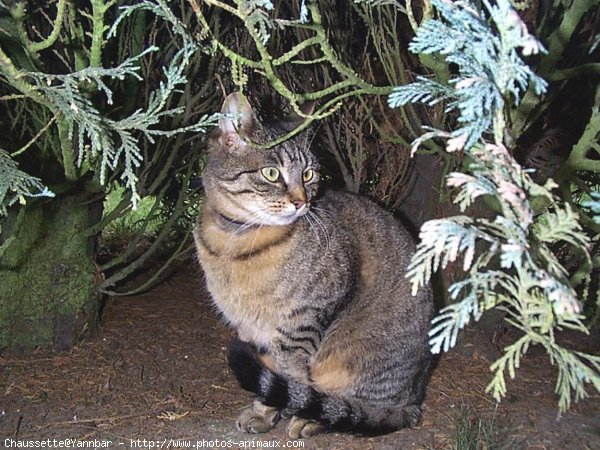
[
  {"x": 236, "y": 129},
  {"x": 307, "y": 108}
]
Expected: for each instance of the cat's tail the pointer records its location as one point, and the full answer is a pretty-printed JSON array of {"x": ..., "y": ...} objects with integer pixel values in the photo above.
[{"x": 302, "y": 400}]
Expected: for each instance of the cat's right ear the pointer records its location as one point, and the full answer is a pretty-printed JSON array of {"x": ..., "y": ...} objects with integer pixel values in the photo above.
[{"x": 236, "y": 129}]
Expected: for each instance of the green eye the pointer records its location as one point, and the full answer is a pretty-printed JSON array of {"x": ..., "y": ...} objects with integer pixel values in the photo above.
[
  {"x": 308, "y": 175},
  {"x": 270, "y": 173}
]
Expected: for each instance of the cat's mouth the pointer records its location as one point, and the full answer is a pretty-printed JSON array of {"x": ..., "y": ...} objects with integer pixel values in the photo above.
[{"x": 285, "y": 217}]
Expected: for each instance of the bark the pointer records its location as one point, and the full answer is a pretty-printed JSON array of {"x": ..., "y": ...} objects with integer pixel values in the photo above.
[{"x": 48, "y": 275}]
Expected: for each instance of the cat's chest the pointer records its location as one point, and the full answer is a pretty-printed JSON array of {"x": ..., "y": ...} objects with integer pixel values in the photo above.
[{"x": 245, "y": 289}]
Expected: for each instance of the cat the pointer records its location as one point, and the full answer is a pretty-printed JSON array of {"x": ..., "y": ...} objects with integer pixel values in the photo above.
[{"x": 313, "y": 282}]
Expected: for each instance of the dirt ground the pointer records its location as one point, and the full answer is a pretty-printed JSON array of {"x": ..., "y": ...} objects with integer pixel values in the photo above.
[{"x": 157, "y": 371}]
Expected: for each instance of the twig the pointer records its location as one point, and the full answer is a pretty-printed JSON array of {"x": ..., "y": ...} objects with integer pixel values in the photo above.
[
  {"x": 95, "y": 420},
  {"x": 37, "y": 136},
  {"x": 12, "y": 97},
  {"x": 35, "y": 47},
  {"x": 18, "y": 427}
]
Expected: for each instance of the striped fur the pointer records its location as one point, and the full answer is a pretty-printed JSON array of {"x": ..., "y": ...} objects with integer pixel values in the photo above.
[
  {"x": 315, "y": 280},
  {"x": 335, "y": 412}
]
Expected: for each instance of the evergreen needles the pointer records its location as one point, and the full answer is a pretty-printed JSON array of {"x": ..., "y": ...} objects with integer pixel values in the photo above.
[
  {"x": 15, "y": 184},
  {"x": 104, "y": 145},
  {"x": 489, "y": 65},
  {"x": 508, "y": 260}
]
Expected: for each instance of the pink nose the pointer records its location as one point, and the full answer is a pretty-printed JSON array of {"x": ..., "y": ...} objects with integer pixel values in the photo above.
[{"x": 298, "y": 203}]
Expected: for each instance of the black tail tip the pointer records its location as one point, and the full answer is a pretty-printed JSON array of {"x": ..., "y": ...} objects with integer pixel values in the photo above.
[{"x": 244, "y": 363}]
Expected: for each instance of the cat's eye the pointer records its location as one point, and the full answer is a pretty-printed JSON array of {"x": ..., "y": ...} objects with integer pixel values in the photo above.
[
  {"x": 308, "y": 175},
  {"x": 270, "y": 173}
]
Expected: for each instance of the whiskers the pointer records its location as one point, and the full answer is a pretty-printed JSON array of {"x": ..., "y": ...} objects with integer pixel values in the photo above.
[
  {"x": 260, "y": 213},
  {"x": 255, "y": 236},
  {"x": 322, "y": 212},
  {"x": 255, "y": 219},
  {"x": 308, "y": 143},
  {"x": 313, "y": 219}
]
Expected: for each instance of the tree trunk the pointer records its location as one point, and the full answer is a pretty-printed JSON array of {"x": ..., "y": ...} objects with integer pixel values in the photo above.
[{"x": 47, "y": 274}]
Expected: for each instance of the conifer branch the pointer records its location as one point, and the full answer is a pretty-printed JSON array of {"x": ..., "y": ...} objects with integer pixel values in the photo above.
[
  {"x": 88, "y": 138},
  {"x": 99, "y": 10},
  {"x": 532, "y": 287},
  {"x": 17, "y": 79},
  {"x": 16, "y": 185},
  {"x": 35, "y": 47},
  {"x": 257, "y": 23},
  {"x": 531, "y": 106},
  {"x": 36, "y": 137}
]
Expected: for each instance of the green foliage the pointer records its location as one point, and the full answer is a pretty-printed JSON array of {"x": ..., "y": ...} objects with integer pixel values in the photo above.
[
  {"x": 257, "y": 16},
  {"x": 158, "y": 7},
  {"x": 15, "y": 184},
  {"x": 105, "y": 145},
  {"x": 314, "y": 50},
  {"x": 120, "y": 97},
  {"x": 490, "y": 68},
  {"x": 509, "y": 259},
  {"x": 126, "y": 225},
  {"x": 594, "y": 205},
  {"x": 102, "y": 142},
  {"x": 474, "y": 432},
  {"x": 161, "y": 229}
]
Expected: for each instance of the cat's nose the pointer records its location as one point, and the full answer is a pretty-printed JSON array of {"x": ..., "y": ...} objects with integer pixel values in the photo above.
[
  {"x": 298, "y": 203},
  {"x": 297, "y": 197}
]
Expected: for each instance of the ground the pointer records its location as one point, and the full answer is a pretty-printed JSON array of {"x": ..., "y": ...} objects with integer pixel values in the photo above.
[{"x": 157, "y": 370}]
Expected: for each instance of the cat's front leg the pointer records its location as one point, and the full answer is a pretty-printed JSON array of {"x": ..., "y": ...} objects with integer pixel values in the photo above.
[
  {"x": 291, "y": 362},
  {"x": 247, "y": 363},
  {"x": 293, "y": 347}
]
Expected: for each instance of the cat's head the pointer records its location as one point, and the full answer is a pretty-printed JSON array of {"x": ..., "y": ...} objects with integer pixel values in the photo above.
[{"x": 250, "y": 184}]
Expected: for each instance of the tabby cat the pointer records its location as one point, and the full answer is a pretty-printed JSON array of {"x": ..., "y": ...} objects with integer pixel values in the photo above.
[{"x": 313, "y": 282}]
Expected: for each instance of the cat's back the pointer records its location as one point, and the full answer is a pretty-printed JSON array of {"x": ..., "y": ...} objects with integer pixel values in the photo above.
[
  {"x": 372, "y": 229},
  {"x": 383, "y": 248}
]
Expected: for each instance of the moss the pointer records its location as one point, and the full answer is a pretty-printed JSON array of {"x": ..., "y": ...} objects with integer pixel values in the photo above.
[{"x": 47, "y": 277}]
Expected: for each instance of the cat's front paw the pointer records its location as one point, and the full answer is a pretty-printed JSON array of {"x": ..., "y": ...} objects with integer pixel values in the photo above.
[
  {"x": 302, "y": 428},
  {"x": 257, "y": 419}
]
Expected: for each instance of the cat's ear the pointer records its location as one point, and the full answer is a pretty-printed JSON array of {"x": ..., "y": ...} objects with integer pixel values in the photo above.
[
  {"x": 308, "y": 107},
  {"x": 294, "y": 120},
  {"x": 238, "y": 127}
]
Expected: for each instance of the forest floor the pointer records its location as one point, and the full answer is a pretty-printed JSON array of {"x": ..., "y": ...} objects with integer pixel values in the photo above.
[{"x": 157, "y": 371}]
